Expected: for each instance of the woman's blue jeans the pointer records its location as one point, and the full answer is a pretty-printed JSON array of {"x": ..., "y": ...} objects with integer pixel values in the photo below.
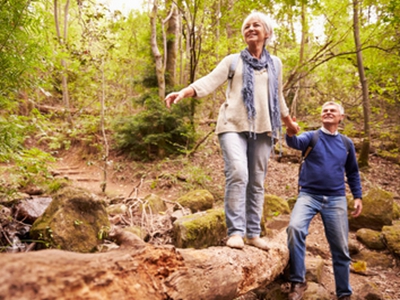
[
  {"x": 333, "y": 210},
  {"x": 246, "y": 161}
]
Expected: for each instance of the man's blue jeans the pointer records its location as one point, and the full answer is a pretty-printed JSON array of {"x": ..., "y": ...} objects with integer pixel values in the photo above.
[
  {"x": 333, "y": 210},
  {"x": 246, "y": 161}
]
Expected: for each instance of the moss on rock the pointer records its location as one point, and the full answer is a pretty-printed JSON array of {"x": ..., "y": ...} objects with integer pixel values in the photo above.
[
  {"x": 200, "y": 230},
  {"x": 377, "y": 210},
  {"x": 153, "y": 204},
  {"x": 391, "y": 236},
  {"x": 74, "y": 221},
  {"x": 198, "y": 200},
  {"x": 370, "y": 238}
]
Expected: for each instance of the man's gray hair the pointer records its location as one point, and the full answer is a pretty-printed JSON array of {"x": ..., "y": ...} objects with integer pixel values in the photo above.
[
  {"x": 266, "y": 22},
  {"x": 339, "y": 106}
]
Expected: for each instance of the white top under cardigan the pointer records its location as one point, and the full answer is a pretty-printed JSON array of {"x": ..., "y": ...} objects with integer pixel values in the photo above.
[{"x": 233, "y": 113}]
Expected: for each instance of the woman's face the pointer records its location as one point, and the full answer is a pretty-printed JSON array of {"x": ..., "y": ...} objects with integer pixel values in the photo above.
[{"x": 254, "y": 32}]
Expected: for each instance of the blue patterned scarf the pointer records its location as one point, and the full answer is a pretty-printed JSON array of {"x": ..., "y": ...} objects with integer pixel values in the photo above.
[{"x": 250, "y": 64}]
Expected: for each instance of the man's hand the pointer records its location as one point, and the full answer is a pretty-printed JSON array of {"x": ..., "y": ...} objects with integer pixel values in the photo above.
[
  {"x": 357, "y": 208},
  {"x": 292, "y": 128}
]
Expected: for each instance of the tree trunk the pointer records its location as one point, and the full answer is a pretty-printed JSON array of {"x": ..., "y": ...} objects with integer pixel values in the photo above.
[
  {"x": 172, "y": 47},
  {"x": 62, "y": 40},
  {"x": 137, "y": 270},
  {"x": 103, "y": 128},
  {"x": 363, "y": 158},
  {"x": 156, "y": 52}
]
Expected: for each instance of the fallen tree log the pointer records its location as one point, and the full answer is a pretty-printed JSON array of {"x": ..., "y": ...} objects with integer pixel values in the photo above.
[{"x": 137, "y": 270}]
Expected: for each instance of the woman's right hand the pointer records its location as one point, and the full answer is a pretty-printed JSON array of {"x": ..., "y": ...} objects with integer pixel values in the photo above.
[
  {"x": 172, "y": 98},
  {"x": 175, "y": 97}
]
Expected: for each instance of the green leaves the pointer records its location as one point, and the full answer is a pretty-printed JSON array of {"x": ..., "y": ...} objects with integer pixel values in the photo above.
[{"x": 154, "y": 132}]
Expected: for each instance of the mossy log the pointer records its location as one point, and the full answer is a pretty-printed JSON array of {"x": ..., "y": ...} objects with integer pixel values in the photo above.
[{"x": 137, "y": 270}]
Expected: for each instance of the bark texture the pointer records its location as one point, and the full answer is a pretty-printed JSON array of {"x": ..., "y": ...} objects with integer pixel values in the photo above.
[{"x": 137, "y": 270}]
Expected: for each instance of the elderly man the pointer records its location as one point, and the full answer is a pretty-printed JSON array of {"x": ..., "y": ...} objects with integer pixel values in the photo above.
[{"x": 322, "y": 190}]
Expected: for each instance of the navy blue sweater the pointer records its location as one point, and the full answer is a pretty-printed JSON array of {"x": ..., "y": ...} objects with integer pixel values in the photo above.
[{"x": 324, "y": 170}]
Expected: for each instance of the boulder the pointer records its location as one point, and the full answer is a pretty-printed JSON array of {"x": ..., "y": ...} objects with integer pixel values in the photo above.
[
  {"x": 396, "y": 211},
  {"x": 370, "y": 238},
  {"x": 136, "y": 230},
  {"x": 274, "y": 207},
  {"x": 316, "y": 291},
  {"x": 372, "y": 259},
  {"x": 75, "y": 221},
  {"x": 29, "y": 210},
  {"x": 198, "y": 200},
  {"x": 377, "y": 210},
  {"x": 200, "y": 230},
  {"x": 152, "y": 204},
  {"x": 315, "y": 268},
  {"x": 391, "y": 237},
  {"x": 272, "y": 292},
  {"x": 370, "y": 291},
  {"x": 117, "y": 209}
]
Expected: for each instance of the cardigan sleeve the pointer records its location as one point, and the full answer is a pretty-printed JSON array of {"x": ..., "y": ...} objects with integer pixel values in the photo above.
[{"x": 210, "y": 82}]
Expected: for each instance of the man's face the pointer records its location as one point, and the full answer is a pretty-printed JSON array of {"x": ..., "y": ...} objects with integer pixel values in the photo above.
[{"x": 330, "y": 115}]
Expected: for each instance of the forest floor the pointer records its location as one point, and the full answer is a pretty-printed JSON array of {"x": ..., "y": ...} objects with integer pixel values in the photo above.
[{"x": 169, "y": 180}]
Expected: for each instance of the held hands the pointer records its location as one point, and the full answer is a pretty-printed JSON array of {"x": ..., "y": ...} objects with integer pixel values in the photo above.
[{"x": 292, "y": 128}]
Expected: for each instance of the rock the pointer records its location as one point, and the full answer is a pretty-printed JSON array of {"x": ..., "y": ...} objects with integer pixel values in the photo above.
[
  {"x": 74, "y": 221},
  {"x": 371, "y": 292},
  {"x": 200, "y": 230},
  {"x": 198, "y": 200},
  {"x": 316, "y": 292},
  {"x": 32, "y": 190},
  {"x": 391, "y": 237},
  {"x": 315, "y": 268},
  {"x": 272, "y": 292},
  {"x": 377, "y": 211},
  {"x": 353, "y": 247},
  {"x": 29, "y": 210},
  {"x": 137, "y": 230},
  {"x": 152, "y": 204},
  {"x": 396, "y": 211},
  {"x": 291, "y": 202},
  {"x": 374, "y": 259},
  {"x": 179, "y": 214},
  {"x": 274, "y": 207},
  {"x": 278, "y": 223},
  {"x": 370, "y": 238},
  {"x": 5, "y": 215},
  {"x": 116, "y": 209}
]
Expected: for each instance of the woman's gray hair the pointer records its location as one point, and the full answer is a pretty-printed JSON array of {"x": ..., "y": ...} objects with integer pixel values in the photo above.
[{"x": 266, "y": 22}]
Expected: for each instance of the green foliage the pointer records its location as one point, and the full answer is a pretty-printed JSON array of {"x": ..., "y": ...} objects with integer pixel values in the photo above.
[
  {"x": 32, "y": 166},
  {"x": 155, "y": 131},
  {"x": 11, "y": 137},
  {"x": 56, "y": 184},
  {"x": 22, "y": 49}
]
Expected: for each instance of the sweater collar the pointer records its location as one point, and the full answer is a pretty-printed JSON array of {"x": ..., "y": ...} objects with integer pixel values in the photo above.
[{"x": 324, "y": 130}]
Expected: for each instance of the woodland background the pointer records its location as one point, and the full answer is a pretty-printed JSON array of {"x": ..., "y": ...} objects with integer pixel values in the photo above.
[{"x": 76, "y": 75}]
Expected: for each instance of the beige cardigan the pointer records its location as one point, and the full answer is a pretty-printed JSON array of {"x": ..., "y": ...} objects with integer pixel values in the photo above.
[{"x": 232, "y": 113}]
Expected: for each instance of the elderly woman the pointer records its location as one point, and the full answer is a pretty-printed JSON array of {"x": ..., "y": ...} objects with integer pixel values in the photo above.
[{"x": 248, "y": 122}]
